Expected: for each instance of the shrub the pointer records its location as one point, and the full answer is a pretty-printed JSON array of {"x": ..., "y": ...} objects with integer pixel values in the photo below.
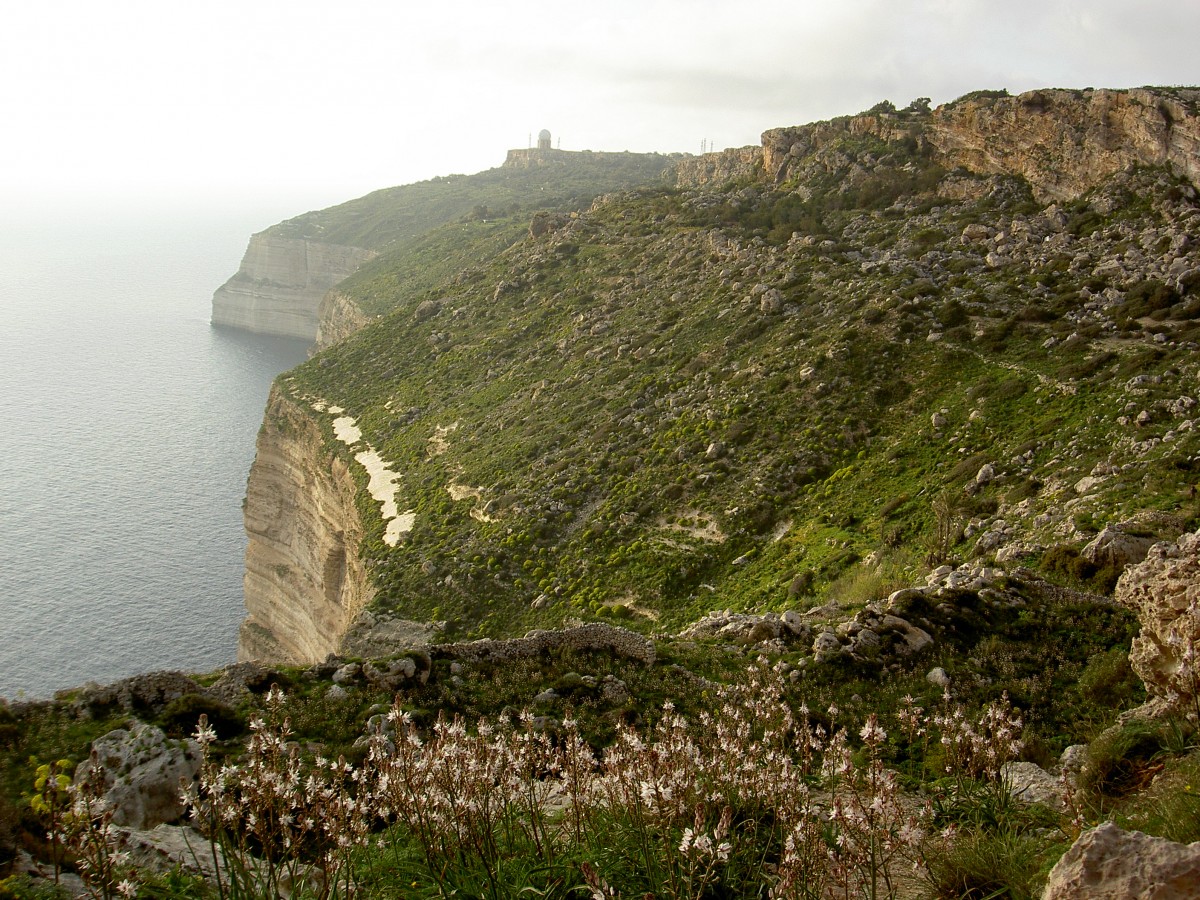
[
  {"x": 181, "y": 716},
  {"x": 1109, "y": 679}
]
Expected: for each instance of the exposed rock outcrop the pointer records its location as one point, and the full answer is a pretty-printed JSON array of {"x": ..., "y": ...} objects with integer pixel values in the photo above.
[
  {"x": 338, "y": 317},
  {"x": 1063, "y": 142},
  {"x": 1164, "y": 591},
  {"x": 1107, "y": 863},
  {"x": 1117, "y": 548},
  {"x": 145, "y": 694},
  {"x": 304, "y": 581},
  {"x": 281, "y": 282},
  {"x": 594, "y": 636}
]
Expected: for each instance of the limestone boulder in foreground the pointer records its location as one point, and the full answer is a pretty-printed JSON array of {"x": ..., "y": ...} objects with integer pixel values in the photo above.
[{"x": 1107, "y": 863}]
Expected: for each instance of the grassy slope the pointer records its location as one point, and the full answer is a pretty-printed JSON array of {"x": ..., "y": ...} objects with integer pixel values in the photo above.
[{"x": 589, "y": 372}]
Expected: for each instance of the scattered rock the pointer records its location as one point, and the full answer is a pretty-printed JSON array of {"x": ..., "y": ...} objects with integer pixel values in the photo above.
[{"x": 938, "y": 676}]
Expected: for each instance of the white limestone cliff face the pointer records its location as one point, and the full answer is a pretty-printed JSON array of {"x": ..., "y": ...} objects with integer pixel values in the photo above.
[
  {"x": 281, "y": 282},
  {"x": 304, "y": 581}
]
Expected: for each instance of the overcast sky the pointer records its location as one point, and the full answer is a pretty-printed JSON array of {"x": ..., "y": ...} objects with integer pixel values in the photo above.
[{"x": 323, "y": 101}]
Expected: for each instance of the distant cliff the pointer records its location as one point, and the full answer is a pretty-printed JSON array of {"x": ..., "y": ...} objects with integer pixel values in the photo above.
[
  {"x": 1063, "y": 142},
  {"x": 281, "y": 282},
  {"x": 289, "y": 268}
]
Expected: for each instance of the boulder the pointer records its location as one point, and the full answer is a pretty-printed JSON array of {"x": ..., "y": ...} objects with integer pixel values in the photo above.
[
  {"x": 168, "y": 847},
  {"x": 143, "y": 770},
  {"x": 771, "y": 302},
  {"x": 1031, "y": 783},
  {"x": 826, "y": 646},
  {"x": 1116, "y": 548},
  {"x": 915, "y": 639},
  {"x": 1108, "y": 863},
  {"x": 1164, "y": 591}
]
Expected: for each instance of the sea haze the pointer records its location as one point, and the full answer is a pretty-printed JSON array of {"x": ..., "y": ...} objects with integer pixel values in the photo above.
[{"x": 130, "y": 433}]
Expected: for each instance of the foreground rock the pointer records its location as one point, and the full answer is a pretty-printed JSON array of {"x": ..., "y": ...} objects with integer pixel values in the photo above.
[
  {"x": 1107, "y": 863},
  {"x": 143, "y": 771},
  {"x": 1164, "y": 591}
]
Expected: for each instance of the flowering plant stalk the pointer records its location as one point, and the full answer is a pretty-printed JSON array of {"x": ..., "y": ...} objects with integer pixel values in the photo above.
[{"x": 277, "y": 827}]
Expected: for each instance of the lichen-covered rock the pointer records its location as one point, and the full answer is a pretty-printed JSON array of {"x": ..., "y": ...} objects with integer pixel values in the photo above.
[
  {"x": 1031, "y": 783},
  {"x": 143, "y": 770},
  {"x": 1107, "y": 863},
  {"x": 168, "y": 847},
  {"x": 1164, "y": 591}
]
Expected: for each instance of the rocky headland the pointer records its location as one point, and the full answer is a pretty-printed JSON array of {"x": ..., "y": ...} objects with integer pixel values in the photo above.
[{"x": 1034, "y": 240}]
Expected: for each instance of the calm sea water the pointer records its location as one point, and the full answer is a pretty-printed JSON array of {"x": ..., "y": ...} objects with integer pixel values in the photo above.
[{"x": 129, "y": 432}]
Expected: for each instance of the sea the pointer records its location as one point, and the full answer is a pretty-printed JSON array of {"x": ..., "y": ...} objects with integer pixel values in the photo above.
[{"x": 128, "y": 436}]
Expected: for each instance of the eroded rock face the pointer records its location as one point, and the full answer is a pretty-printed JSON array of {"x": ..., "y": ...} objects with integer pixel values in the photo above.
[
  {"x": 338, "y": 317},
  {"x": 1107, "y": 863},
  {"x": 281, "y": 282},
  {"x": 1066, "y": 142},
  {"x": 304, "y": 583},
  {"x": 1063, "y": 142},
  {"x": 1164, "y": 591},
  {"x": 1117, "y": 548}
]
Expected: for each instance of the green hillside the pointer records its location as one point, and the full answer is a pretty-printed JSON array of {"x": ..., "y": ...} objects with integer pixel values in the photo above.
[{"x": 747, "y": 394}]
